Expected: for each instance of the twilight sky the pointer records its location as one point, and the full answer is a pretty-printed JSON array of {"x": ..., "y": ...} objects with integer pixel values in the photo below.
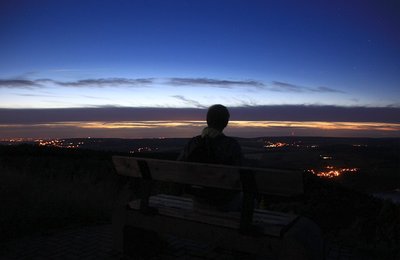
[{"x": 118, "y": 67}]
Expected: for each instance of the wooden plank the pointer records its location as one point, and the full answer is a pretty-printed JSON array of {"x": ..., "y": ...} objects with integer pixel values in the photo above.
[
  {"x": 126, "y": 166},
  {"x": 218, "y": 176},
  {"x": 269, "y": 222},
  {"x": 269, "y": 181},
  {"x": 171, "y": 201},
  {"x": 219, "y": 236}
]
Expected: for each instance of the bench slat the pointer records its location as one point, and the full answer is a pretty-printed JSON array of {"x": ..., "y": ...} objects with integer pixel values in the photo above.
[
  {"x": 217, "y": 236},
  {"x": 270, "y": 223},
  {"x": 269, "y": 181}
]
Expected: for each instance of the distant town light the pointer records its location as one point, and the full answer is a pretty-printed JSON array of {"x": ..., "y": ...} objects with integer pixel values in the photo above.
[
  {"x": 332, "y": 172},
  {"x": 275, "y": 145}
]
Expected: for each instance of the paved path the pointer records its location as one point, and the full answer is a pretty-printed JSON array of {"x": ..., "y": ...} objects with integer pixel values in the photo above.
[{"x": 94, "y": 242}]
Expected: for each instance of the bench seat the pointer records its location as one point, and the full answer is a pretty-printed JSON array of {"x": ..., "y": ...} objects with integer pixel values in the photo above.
[
  {"x": 269, "y": 223},
  {"x": 264, "y": 233}
]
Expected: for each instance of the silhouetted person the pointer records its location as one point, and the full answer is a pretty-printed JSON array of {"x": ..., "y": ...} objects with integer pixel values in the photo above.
[{"x": 212, "y": 146}]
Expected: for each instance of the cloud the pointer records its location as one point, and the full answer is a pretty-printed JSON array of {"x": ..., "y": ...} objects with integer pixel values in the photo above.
[
  {"x": 317, "y": 113},
  {"x": 189, "y": 101},
  {"x": 214, "y": 82},
  {"x": 36, "y": 95},
  {"x": 277, "y": 86},
  {"x": 65, "y": 70},
  {"x": 103, "y": 113},
  {"x": 285, "y": 87},
  {"x": 127, "y": 82},
  {"x": 18, "y": 83},
  {"x": 94, "y": 97},
  {"x": 280, "y": 86},
  {"x": 108, "y": 82},
  {"x": 394, "y": 105},
  {"x": 326, "y": 90},
  {"x": 103, "y": 82},
  {"x": 244, "y": 113}
]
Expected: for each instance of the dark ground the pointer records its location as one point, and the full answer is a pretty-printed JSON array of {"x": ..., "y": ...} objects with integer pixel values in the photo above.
[{"x": 46, "y": 188}]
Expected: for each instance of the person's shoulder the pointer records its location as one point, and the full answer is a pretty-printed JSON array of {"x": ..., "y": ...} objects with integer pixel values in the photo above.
[
  {"x": 195, "y": 140},
  {"x": 191, "y": 144}
]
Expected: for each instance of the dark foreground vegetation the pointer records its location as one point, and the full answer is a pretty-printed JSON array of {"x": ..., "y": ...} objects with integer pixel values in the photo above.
[{"x": 46, "y": 188}]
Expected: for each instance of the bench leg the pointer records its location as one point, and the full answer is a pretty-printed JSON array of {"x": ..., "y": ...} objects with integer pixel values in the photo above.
[
  {"x": 119, "y": 217},
  {"x": 118, "y": 222}
]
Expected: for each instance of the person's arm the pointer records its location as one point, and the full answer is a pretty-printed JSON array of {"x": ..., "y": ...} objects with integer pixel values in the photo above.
[
  {"x": 185, "y": 152},
  {"x": 237, "y": 155}
]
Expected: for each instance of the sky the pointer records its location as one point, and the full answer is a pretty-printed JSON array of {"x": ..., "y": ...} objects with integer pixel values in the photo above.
[{"x": 149, "y": 68}]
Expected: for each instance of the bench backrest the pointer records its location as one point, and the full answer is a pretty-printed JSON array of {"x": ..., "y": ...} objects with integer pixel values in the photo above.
[{"x": 259, "y": 180}]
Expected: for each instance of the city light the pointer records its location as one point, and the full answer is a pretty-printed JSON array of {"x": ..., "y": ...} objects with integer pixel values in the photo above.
[
  {"x": 332, "y": 172},
  {"x": 275, "y": 145},
  {"x": 59, "y": 143},
  {"x": 143, "y": 149}
]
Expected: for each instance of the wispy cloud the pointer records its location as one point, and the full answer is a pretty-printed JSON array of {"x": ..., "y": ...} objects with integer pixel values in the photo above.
[
  {"x": 326, "y": 90},
  {"x": 65, "y": 70},
  {"x": 127, "y": 82},
  {"x": 286, "y": 87},
  {"x": 108, "y": 82},
  {"x": 19, "y": 83},
  {"x": 394, "y": 105},
  {"x": 277, "y": 86},
  {"x": 93, "y": 97},
  {"x": 280, "y": 86},
  {"x": 103, "y": 82},
  {"x": 35, "y": 95},
  {"x": 214, "y": 82},
  {"x": 190, "y": 101}
]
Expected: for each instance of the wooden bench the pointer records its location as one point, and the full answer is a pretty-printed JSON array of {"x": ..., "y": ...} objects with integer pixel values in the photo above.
[{"x": 254, "y": 231}]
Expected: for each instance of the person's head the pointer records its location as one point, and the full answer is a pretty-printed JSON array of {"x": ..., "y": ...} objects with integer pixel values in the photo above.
[{"x": 217, "y": 117}]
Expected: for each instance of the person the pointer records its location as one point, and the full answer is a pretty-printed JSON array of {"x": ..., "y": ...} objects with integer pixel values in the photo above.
[{"x": 214, "y": 147}]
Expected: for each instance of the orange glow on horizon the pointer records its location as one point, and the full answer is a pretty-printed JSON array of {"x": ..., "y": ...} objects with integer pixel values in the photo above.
[
  {"x": 357, "y": 126},
  {"x": 319, "y": 125},
  {"x": 188, "y": 128}
]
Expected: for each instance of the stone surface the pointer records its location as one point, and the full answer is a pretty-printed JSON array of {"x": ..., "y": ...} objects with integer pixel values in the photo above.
[{"x": 94, "y": 242}]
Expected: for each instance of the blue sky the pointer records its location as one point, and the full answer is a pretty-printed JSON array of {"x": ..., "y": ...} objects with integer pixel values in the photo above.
[{"x": 191, "y": 54}]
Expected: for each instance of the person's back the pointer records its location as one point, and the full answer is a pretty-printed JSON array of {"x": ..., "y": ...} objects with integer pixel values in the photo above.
[
  {"x": 217, "y": 150},
  {"x": 212, "y": 146}
]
